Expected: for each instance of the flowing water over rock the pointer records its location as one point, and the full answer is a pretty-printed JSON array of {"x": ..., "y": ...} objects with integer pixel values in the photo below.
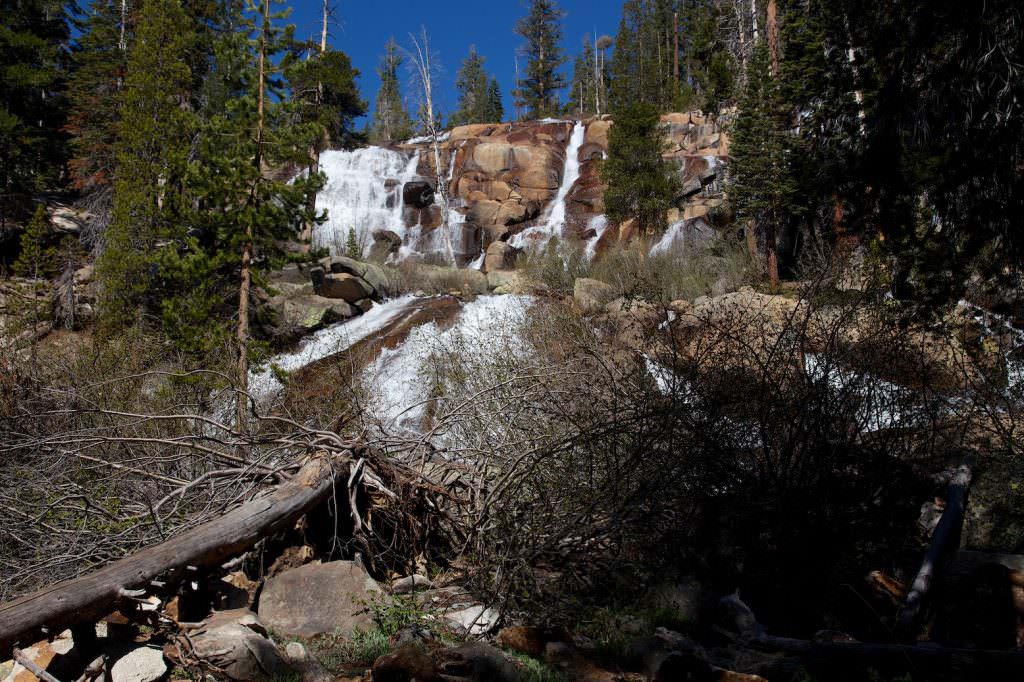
[
  {"x": 553, "y": 219},
  {"x": 364, "y": 193}
]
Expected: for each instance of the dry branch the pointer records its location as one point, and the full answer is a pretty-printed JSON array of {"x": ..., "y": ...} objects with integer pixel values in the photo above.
[
  {"x": 90, "y": 597},
  {"x": 945, "y": 540}
]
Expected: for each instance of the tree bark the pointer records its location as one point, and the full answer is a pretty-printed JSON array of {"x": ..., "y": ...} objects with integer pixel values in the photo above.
[
  {"x": 945, "y": 540},
  {"x": 242, "y": 333},
  {"x": 90, "y": 597},
  {"x": 772, "y": 29}
]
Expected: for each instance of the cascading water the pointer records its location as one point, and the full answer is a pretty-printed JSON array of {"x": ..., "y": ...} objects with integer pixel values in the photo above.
[
  {"x": 553, "y": 219},
  {"x": 363, "y": 193}
]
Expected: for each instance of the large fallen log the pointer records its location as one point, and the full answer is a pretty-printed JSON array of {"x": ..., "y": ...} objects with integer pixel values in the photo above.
[
  {"x": 90, "y": 597},
  {"x": 945, "y": 541},
  {"x": 927, "y": 660}
]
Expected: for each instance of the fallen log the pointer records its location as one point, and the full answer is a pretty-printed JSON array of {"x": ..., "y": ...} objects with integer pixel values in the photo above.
[
  {"x": 944, "y": 662},
  {"x": 945, "y": 540},
  {"x": 90, "y": 597}
]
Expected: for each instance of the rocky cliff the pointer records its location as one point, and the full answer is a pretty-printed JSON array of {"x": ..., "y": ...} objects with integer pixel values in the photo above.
[{"x": 508, "y": 182}]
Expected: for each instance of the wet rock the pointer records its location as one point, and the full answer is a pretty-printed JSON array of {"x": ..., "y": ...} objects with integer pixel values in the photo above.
[
  {"x": 500, "y": 256},
  {"x": 143, "y": 664},
  {"x": 385, "y": 244},
  {"x": 319, "y": 599},
  {"x": 348, "y": 288},
  {"x": 418, "y": 193},
  {"x": 235, "y": 643},
  {"x": 591, "y": 295}
]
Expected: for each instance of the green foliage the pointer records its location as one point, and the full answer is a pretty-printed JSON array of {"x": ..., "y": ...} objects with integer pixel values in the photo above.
[
  {"x": 100, "y": 63},
  {"x": 352, "y": 248},
  {"x": 477, "y": 101},
  {"x": 154, "y": 134},
  {"x": 391, "y": 121},
  {"x": 36, "y": 260},
  {"x": 584, "y": 87},
  {"x": 640, "y": 183},
  {"x": 534, "y": 670},
  {"x": 33, "y": 54},
  {"x": 537, "y": 90},
  {"x": 325, "y": 92}
]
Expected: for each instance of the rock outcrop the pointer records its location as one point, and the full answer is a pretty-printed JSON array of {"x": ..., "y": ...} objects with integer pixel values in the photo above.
[{"x": 318, "y": 599}]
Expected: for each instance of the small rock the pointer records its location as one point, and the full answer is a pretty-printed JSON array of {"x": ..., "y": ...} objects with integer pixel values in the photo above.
[
  {"x": 522, "y": 638},
  {"x": 479, "y": 662},
  {"x": 235, "y": 642},
  {"x": 410, "y": 663},
  {"x": 141, "y": 665},
  {"x": 308, "y": 668},
  {"x": 411, "y": 583},
  {"x": 475, "y": 620}
]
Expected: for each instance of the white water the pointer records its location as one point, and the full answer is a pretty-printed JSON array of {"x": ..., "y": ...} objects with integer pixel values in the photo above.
[
  {"x": 264, "y": 384},
  {"x": 669, "y": 238},
  {"x": 989, "y": 321},
  {"x": 553, "y": 220},
  {"x": 401, "y": 381},
  {"x": 357, "y": 195},
  {"x": 599, "y": 224}
]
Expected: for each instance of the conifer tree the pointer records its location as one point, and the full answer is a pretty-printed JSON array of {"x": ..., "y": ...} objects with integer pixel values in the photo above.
[
  {"x": 584, "y": 89},
  {"x": 761, "y": 185},
  {"x": 640, "y": 184},
  {"x": 495, "y": 109},
  {"x": 541, "y": 28},
  {"x": 391, "y": 121},
  {"x": 100, "y": 65},
  {"x": 36, "y": 262},
  {"x": 152, "y": 150},
  {"x": 33, "y": 59},
  {"x": 473, "y": 87}
]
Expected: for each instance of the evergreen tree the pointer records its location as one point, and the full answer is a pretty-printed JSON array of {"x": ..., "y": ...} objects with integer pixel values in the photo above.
[
  {"x": 391, "y": 121},
  {"x": 541, "y": 28},
  {"x": 153, "y": 144},
  {"x": 36, "y": 262},
  {"x": 100, "y": 63},
  {"x": 583, "y": 91},
  {"x": 473, "y": 86},
  {"x": 762, "y": 186},
  {"x": 324, "y": 88},
  {"x": 640, "y": 184},
  {"x": 33, "y": 56},
  {"x": 495, "y": 109}
]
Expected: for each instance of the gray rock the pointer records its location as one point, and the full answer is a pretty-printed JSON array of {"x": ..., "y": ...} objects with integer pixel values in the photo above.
[
  {"x": 236, "y": 643},
  {"x": 418, "y": 193},
  {"x": 139, "y": 665},
  {"x": 318, "y": 599},
  {"x": 347, "y": 287},
  {"x": 480, "y": 662},
  {"x": 591, "y": 295},
  {"x": 308, "y": 668},
  {"x": 500, "y": 256}
]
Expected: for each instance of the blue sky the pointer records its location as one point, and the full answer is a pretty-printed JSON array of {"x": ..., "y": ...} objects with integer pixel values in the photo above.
[{"x": 363, "y": 26}]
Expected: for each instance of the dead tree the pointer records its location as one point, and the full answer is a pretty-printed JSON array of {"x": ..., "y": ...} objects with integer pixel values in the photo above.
[
  {"x": 945, "y": 540},
  {"x": 90, "y": 597}
]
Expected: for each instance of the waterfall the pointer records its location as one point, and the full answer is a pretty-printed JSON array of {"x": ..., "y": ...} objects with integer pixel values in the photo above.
[
  {"x": 364, "y": 192},
  {"x": 553, "y": 219}
]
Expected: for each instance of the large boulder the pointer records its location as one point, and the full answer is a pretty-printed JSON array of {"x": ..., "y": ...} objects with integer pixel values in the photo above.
[
  {"x": 385, "y": 244},
  {"x": 318, "y": 599},
  {"x": 235, "y": 643},
  {"x": 348, "y": 288},
  {"x": 373, "y": 274},
  {"x": 418, "y": 193},
  {"x": 500, "y": 256},
  {"x": 307, "y": 313},
  {"x": 591, "y": 295}
]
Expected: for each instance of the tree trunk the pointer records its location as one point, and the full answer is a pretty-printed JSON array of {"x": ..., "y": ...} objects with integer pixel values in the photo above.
[
  {"x": 945, "y": 541},
  {"x": 772, "y": 28},
  {"x": 90, "y": 597},
  {"x": 242, "y": 334}
]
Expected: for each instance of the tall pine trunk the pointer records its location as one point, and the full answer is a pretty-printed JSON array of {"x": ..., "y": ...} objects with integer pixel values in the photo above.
[
  {"x": 772, "y": 236},
  {"x": 242, "y": 335}
]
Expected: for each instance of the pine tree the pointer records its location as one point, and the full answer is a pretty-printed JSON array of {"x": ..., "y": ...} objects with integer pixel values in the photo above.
[
  {"x": 100, "y": 65},
  {"x": 538, "y": 89},
  {"x": 391, "y": 121},
  {"x": 33, "y": 57},
  {"x": 762, "y": 186},
  {"x": 324, "y": 88},
  {"x": 152, "y": 151},
  {"x": 494, "y": 110},
  {"x": 36, "y": 262},
  {"x": 640, "y": 184},
  {"x": 473, "y": 87},
  {"x": 352, "y": 248},
  {"x": 583, "y": 91}
]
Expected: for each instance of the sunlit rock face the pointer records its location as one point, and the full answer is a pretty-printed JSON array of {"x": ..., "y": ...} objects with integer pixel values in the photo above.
[{"x": 520, "y": 182}]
